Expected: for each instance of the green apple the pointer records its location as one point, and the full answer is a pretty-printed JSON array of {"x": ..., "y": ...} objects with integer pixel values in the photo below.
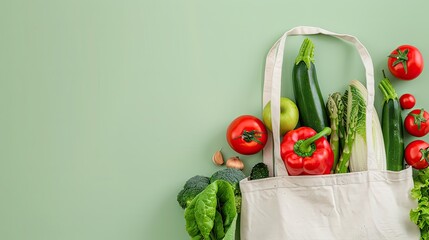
[{"x": 289, "y": 115}]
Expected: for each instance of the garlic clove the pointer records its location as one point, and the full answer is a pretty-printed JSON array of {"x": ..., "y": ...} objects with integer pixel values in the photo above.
[
  {"x": 235, "y": 162},
  {"x": 218, "y": 158}
]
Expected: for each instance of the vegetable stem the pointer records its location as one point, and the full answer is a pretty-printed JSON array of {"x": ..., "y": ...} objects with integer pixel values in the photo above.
[
  {"x": 334, "y": 115},
  {"x": 306, "y": 53},
  {"x": 387, "y": 89},
  {"x": 419, "y": 118},
  {"x": 425, "y": 154},
  {"x": 344, "y": 161},
  {"x": 249, "y": 136},
  {"x": 305, "y": 145},
  {"x": 401, "y": 57}
]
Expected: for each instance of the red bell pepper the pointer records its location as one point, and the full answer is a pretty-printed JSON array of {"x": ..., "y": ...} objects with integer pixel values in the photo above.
[{"x": 306, "y": 152}]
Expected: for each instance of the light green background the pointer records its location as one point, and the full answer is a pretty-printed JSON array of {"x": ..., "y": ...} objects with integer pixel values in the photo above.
[{"x": 107, "y": 107}]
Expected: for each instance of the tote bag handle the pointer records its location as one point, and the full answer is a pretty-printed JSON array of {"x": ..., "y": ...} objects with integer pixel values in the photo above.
[{"x": 272, "y": 91}]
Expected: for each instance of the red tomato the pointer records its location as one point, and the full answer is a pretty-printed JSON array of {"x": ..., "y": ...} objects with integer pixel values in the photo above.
[
  {"x": 407, "y": 101},
  {"x": 416, "y": 154},
  {"x": 417, "y": 122},
  {"x": 405, "y": 62},
  {"x": 246, "y": 135}
]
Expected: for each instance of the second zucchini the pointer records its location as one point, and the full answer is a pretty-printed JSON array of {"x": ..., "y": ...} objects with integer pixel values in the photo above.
[{"x": 392, "y": 127}]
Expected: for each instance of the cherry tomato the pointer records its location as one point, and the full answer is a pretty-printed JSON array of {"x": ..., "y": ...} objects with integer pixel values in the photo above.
[
  {"x": 246, "y": 135},
  {"x": 405, "y": 62},
  {"x": 407, "y": 101},
  {"x": 417, "y": 122},
  {"x": 416, "y": 154}
]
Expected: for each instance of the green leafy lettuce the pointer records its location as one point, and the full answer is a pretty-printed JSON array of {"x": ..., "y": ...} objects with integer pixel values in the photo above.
[
  {"x": 420, "y": 215},
  {"x": 211, "y": 215}
]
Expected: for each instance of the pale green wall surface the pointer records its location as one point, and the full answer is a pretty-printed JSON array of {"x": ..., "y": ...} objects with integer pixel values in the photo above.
[{"x": 108, "y": 107}]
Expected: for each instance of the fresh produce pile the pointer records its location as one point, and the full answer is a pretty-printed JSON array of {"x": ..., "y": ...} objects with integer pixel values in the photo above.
[
  {"x": 319, "y": 136},
  {"x": 212, "y": 204}
]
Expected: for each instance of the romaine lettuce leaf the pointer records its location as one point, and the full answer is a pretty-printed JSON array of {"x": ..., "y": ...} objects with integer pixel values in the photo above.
[
  {"x": 212, "y": 207},
  {"x": 420, "y": 215}
]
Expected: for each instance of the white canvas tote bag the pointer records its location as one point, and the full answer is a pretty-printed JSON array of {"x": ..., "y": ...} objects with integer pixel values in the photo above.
[{"x": 373, "y": 204}]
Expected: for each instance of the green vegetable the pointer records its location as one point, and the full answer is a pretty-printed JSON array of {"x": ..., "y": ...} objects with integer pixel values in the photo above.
[
  {"x": 358, "y": 160},
  {"x": 342, "y": 128},
  {"x": 308, "y": 97},
  {"x": 355, "y": 127},
  {"x": 233, "y": 176},
  {"x": 212, "y": 213},
  {"x": 230, "y": 175},
  {"x": 335, "y": 115},
  {"x": 341, "y": 109},
  {"x": 392, "y": 126},
  {"x": 230, "y": 234},
  {"x": 237, "y": 195},
  {"x": 259, "y": 171},
  {"x": 191, "y": 189},
  {"x": 420, "y": 215},
  {"x": 218, "y": 228}
]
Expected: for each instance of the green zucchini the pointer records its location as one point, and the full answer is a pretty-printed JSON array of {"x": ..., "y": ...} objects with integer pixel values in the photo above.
[
  {"x": 308, "y": 97},
  {"x": 391, "y": 125}
]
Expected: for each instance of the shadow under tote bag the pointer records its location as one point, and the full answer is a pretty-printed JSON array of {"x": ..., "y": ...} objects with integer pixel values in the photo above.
[{"x": 372, "y": 204}]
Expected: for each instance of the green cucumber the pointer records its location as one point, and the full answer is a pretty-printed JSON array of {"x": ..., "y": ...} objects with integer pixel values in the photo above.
[
  {"x": 392, "y": 127},
  {"x": 308, "y": 97}
]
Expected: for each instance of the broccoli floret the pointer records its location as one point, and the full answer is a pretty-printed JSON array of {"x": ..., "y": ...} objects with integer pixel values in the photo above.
[
  {"x": 260, "y": 170},
  {"x": 230, "y": 175},
  {"x": 197, "y": 181},
  {"x": 191, "y": 189}
]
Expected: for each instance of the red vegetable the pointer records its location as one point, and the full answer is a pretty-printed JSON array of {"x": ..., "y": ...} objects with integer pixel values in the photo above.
[
  {"x": 246, "y": 135},
  {"x": 407, "y": 101},
  {"x": 416, "y": 123},
  {"x": 416, "y": 154},
  {"x": 405, "y": 62},
  {"x": 304, "y": 152}
]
